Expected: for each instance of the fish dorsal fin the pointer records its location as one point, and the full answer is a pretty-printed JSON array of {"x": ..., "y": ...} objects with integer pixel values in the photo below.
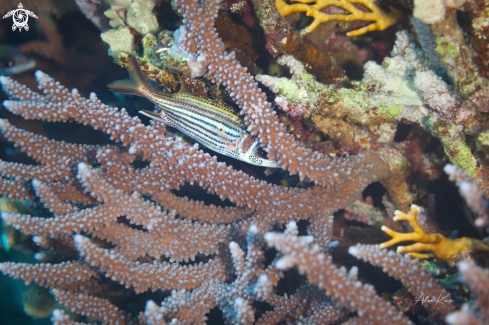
[{"x": 183, "y": 89}]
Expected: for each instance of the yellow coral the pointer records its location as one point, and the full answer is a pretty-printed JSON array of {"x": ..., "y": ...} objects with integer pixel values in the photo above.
[
  {"x": 443, "y": 248},
  {"x": 382, "y": 19}
]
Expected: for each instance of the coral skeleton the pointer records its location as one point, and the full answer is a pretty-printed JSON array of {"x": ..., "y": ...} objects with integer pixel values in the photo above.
[
  {"x": 441, "y": 247},
  {"x": 381, "y": 18}
]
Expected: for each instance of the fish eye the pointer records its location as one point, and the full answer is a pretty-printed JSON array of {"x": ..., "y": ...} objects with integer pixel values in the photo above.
[
  {"x": 261, "y": 153},
  {"x": 6, "y": 63}
]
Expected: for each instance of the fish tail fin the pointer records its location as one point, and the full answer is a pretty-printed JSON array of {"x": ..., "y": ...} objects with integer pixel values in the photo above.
[{"x": 135, "y": 85}]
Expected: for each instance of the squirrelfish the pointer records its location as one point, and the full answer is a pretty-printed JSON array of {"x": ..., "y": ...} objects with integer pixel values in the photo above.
[{"x": 213, "y": 124}]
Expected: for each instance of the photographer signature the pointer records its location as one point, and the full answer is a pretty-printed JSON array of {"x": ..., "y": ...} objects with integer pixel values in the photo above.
[{"x": 436, "y": 300}]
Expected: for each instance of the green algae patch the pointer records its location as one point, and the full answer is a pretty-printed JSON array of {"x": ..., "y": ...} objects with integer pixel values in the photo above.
[
  {"x": 306, "y": 76},
  {"x": 150, "y": 71},
  {"x": 454, "y": 144},
  {"x": 446, "y": 49},
  {"x": 483, "y": 138},
  {"x": 149, "y": 41},
  {"x": 352, "y": 98},
  {"x": 431, "y": 267},
  {"x": 458, "y": 151},
  {"x": 392, "y": 110},
  {"x": 289, "y": 89},
  {"x": 450, "y": 279}
]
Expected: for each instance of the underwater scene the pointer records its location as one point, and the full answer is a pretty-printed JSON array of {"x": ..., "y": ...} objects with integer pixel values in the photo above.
[{"x": 244, "y": 162}]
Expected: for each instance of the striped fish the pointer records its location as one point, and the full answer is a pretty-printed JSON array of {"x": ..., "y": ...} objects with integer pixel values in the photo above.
[{"x": 216, "y": 126}]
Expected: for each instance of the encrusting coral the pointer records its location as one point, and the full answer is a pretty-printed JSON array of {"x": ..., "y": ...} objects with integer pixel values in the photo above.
[
  {"x": 406, "y": 88},
  {"x": 312, "y": 8},
  {"x": 442, "y": 248}
]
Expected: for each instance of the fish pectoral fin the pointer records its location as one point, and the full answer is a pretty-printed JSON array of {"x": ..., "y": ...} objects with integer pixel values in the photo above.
[
  {"x": 157, "y": 116},
  {"x": 230, "y": 144}
]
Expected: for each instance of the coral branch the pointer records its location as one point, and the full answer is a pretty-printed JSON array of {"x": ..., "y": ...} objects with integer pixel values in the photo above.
[
  {"x": 443, "y": 248},
  {"x": 472, "y": 194},
  {"x": 148, "y": 276},
  {"x": 477, "y": 279},
  {"x": 66, "y": 276},
  {"x": 262, "y": 120},
  {"x": 381, "y": 18},
  {"x": 92, "y": 307},
  {"x": 320, "y": 271},
  {"x": 411, "y": 274}
]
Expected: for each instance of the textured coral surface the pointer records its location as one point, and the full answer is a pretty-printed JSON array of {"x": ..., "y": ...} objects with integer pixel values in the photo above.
[{"x": 376, "y": 113}]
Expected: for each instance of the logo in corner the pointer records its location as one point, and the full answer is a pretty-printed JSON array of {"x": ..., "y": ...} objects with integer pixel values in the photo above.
[{"x": 20, "y": 17}]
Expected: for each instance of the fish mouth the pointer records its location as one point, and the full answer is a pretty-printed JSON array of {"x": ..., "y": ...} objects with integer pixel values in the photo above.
[{"x": 262, "y": 157}]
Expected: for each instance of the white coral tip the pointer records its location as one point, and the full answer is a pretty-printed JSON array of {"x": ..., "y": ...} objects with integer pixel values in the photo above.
[
  {"x": 82, "y": 167},
  {"x": 80, "y": 240},
  {"x": 463, "y": 266},
  {"x": 308, "y": 239},
  {"x": 269, "y": 237},
  {"x": 449, "y": 168},
  {"x": 333, "y": 244},
  {"x": 132, "y": 150},
  {"x": 253, "y": 229},
  {"x": 38, "y": 239},
  {"x": 262, "y": 278},
  {"x": 151, "y": 305},
  {"x": 233, "y": 245},
  {"x": 41, "y": 256},
  {"x": 8, "y": 104},
  {"x": 40, "y": 75},
  {"x": 284, "y": 263},
  {"x": 7, "y": 217},
  {"x": 452, "y": 318},
  {"x": 353, "y": 250},
  {"x": 57, "y": 313}
]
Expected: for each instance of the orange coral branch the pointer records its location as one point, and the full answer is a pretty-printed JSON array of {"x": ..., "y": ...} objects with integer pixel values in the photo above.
[
  {"x": 340, "y": 285},
  {"x": 66, "y": 275},
  {"x": 92, "y": 307},
  {"x": 443, "y": 248},
  {"x": 413, "y": 277},
  {"x": 381, "y": 18},
  {"x": 143, "y": 277}
]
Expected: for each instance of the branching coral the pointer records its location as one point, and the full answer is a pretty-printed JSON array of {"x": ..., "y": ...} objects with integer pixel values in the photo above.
[
  {"x": 472, "y": 194},
  {"x": 442, "y": 248},
  {"x": 476, "y": 312},
  {"x": 381, "y": 18},
  {"x": 115, "y": 189},
  {"x": 101, "y": 220},
  {"x": 323, "y": 273}
]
